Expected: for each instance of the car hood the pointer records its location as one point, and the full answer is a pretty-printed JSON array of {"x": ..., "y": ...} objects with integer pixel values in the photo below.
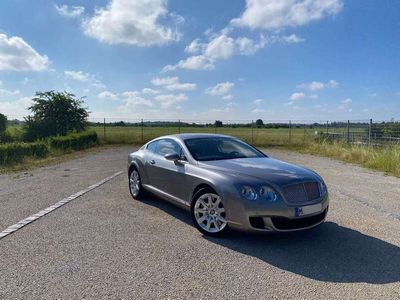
[{"x": 264, "y": 168}]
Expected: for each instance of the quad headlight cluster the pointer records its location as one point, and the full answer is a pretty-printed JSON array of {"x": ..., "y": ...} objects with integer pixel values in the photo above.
[{"x": 264, "y": 193}]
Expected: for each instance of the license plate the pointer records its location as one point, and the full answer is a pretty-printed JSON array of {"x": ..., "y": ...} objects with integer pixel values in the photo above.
[{"x": 307, "y": 210}]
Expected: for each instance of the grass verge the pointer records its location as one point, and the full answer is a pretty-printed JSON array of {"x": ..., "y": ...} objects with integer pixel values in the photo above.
[{"x": 385, "y": 159}]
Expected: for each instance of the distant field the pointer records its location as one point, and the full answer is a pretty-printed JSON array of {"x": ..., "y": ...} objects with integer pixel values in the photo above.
[
  {"x": 256, "y": 136},
  {"x": 385, "y": 158}
]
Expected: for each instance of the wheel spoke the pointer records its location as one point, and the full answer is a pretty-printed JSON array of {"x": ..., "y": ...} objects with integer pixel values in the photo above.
[
  {"x": 208, "y": 223},
  {"x": 221, "y": 210},
  {"x": 216, "y": 224},
  {"x": 203, "y": 203},
  {"x": 201, "y": 210},
  {"x": 202, "y": 218},
  {"x": 221, "y": 219}
]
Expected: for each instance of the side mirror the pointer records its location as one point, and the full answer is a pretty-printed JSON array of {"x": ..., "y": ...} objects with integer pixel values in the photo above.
[{"x": 173, "y": 156}]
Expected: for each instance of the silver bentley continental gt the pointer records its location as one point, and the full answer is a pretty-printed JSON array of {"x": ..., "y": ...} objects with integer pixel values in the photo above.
[{"x": 227, "y": 183}]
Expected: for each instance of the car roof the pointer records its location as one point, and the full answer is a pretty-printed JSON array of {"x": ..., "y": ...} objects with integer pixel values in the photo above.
[{"x": 186, "y": 136}]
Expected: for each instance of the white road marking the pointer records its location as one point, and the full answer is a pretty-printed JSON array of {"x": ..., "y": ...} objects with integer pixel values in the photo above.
[{"x": 49, "y": 209}]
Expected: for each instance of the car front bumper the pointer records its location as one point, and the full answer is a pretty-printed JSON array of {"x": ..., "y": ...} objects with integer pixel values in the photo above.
[{"x": 258, "y": 216}]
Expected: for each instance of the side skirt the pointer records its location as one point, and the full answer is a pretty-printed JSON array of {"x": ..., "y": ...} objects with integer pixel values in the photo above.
[{"x": 166, "y": 196}]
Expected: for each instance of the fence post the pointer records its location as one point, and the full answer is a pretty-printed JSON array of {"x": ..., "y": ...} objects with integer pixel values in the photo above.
[
  {"x": 179, "y": 126},
  {"x": 348, "y": 131},
  {"x": 252, "y": 131},
  {"x": 327, "y": 124},
  {"x": 141, "y": 123},
  {"x": 290, "y": 131},
  {"x": 369, "y": 132},
  {"x": 104, "y": 129}
]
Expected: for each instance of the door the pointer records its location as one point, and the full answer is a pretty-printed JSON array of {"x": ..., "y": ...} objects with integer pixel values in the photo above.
[{"x": 167, "y": 175}]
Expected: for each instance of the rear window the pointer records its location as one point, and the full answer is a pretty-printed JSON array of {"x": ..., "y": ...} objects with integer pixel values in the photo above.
[
  {"x": 168, "y": 146},
  {"x": 152, "y": 146}
]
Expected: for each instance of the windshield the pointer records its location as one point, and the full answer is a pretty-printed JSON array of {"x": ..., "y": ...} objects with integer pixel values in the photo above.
[{"x": 217, "y": 148}]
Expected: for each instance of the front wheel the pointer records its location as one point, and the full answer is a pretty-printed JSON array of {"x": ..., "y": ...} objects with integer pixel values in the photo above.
[
  {"x": 135, "y": 185},
  {"x": 208, "y": 213}
]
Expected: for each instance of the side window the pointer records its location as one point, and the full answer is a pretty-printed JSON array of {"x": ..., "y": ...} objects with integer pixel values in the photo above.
[
  {"x": 152, "y": 146},
  {"x": 167, "y": 146}
]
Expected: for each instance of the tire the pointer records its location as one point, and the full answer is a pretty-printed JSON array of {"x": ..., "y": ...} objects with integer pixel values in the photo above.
[
  {"x": 135, "y": 184},
  {"x": 208, "y": 213}
]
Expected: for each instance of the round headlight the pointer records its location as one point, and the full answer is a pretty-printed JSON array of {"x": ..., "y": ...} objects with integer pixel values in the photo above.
[
  {"x": 249, "y": 193},
  {"x": 268, "y": 193}
]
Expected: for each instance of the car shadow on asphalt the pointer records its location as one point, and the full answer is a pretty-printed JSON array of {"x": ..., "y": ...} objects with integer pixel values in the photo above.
[{"x": 330, "y": 252}]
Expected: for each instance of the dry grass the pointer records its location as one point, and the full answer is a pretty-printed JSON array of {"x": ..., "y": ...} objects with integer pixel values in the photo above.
[{"x": 385, "y": 159}]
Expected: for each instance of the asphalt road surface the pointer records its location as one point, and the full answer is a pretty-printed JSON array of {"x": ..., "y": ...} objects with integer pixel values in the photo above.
[{"x": 104, "y": 244}]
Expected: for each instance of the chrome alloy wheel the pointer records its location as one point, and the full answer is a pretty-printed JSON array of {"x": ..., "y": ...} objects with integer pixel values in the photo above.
[
  {"x": 209, "y": 213},
  {"x": 134, "y": 183}
]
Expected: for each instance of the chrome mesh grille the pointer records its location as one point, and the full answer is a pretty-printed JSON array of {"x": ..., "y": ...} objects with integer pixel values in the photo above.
[
  {"x": 301, "y": 192},
  {"x": 312, "y": 190}
]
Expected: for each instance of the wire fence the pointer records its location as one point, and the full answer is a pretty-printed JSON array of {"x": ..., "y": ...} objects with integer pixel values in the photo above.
[{"x": 258, "y": 132}]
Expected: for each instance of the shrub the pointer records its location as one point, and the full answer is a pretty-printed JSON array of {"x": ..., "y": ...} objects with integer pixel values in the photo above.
[
  {"x": 74, "y": 141},
  {"x": 17, "y": 152}
]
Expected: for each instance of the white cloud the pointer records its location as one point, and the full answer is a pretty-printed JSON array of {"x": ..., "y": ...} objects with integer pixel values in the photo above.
[
  {"x": 198, "y": 62},
  {"x": 9, "y": 92},
  {"x": 168, "y": 100},
  {"x": 218, "y": 47},
  {"x": 85, "y": 77},
  {"x": 134, "y": 22},
  {"x": 78, "y": 75},
  {"x": 297, "y": 96},
  {"x": 272, "y": 14},
  {"x": 258, "y": 101},
  {"x": 70, "y": 11},
  {"x": 173, "y": 84},
  {"x": 346, "y": 105},
  {"x": 98, "y": 84},
  {"x": 220, "y": 89},
  {"x": 107, "y": 95},
  {"x": 16, "y": 109},
  {"x": 317, "y": 85},
  {"x": 247, "y": 46},
  {"x": 221, "y": 46},
  {"x": 149, "y": 91},
  {"x": 194, "y": 47},
  {"x": 292, "y": 39},
  {"x": 227, "y": 97},
  {"x": 18, "y": 55},
  {"x": 258, "y": 111},
  {"x": 132, "y": 100}
]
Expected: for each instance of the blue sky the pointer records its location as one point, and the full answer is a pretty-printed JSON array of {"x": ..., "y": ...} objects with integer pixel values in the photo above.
[{"x": 205, "y": 60}]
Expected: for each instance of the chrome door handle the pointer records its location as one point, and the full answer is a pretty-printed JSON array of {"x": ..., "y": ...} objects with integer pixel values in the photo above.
[{"x": 152, "y": 162}]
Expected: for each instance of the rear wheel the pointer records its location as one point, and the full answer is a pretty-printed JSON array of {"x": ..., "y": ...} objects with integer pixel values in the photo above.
[
  {"x": 208, "y": 213},
  {"x": 135, "y": 185}
]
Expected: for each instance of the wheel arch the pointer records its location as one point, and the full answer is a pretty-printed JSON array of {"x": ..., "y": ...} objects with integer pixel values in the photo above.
[{"x": 200, "y": 187}]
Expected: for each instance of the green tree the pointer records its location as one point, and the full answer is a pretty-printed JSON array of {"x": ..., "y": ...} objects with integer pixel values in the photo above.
[
  {"x": 259, "y": 123},
  {"x": 218, "y": 123},
  {"x": 3, "y": 124},
  {"x": 55, "y": 113}
]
